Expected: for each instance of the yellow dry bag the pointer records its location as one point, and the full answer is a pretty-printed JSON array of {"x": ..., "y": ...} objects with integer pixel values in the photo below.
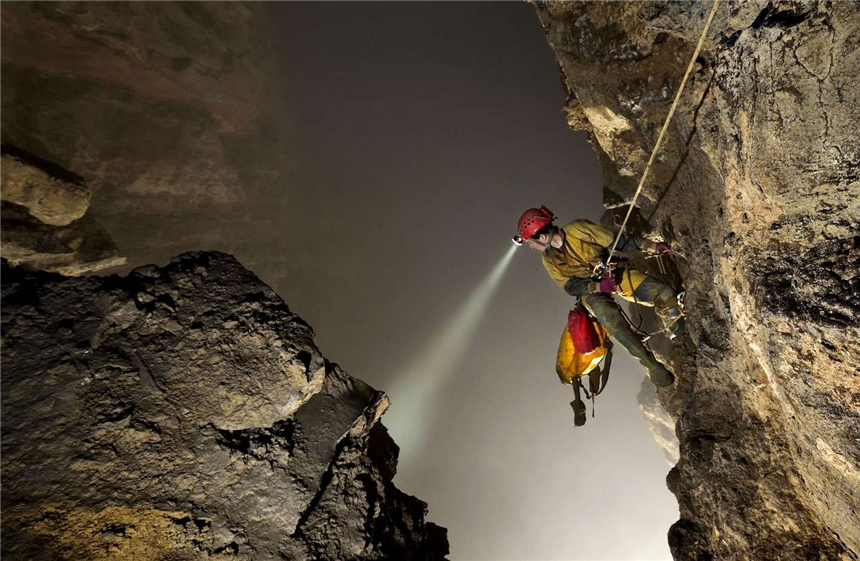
[{"x": 584, "y": 345}]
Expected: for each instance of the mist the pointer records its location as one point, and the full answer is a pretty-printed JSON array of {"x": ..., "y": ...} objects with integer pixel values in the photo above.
[{"x": 426, "y": 130}]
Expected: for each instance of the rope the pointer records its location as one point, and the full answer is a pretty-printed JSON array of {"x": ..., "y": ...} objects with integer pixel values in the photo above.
[{"x": 665, "y": 126}]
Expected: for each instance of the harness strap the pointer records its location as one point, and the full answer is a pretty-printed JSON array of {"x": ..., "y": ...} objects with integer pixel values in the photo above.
[
  {"x": 577, "y": 404},
  {"x": 594, "y": 380},
  {"x": 607, "y": 363}
]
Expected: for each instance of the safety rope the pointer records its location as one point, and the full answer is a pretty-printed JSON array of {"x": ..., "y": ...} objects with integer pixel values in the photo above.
[{"x": 665, "y": 126}]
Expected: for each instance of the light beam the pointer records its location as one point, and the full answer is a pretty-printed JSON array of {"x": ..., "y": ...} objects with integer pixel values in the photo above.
[{"x": 414, "y": 394}]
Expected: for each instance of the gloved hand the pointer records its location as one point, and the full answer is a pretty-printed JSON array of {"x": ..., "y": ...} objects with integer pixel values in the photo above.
[
  {"x": 661, "y": 248},
  {"x": 608, "y": 284}
]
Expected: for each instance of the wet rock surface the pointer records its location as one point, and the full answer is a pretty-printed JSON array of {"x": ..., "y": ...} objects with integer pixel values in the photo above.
[
  {"x": 757, "y": 190},
  {"x": 184, "y": 412}
]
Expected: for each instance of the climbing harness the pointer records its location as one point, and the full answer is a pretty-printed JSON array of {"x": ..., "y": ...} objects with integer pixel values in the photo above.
[{"x": 665, "y": 127}]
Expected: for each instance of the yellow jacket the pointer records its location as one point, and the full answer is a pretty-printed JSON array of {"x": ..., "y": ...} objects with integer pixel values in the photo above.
[{"x": 584, "y": 244}]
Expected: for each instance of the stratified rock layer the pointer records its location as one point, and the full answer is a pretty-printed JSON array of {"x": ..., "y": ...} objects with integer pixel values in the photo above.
[
  {"x": 184, "y": 413},
  {"x": 758, "y": 191}
]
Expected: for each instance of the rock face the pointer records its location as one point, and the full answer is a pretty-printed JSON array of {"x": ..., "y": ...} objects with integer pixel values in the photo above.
[
  {"x": 758, "y": 191},
  {"x": 185, "y": 413},
  {"x": 45, "y": 223}
]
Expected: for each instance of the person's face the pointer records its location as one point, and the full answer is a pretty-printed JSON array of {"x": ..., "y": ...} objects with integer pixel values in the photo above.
[{"x": 538, "y": 243}]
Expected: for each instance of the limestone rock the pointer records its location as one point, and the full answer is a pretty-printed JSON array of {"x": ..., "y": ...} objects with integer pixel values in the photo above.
[
  {"x": 185, "y": 413},
  {"x": 758, "y": 191},
  {"x": 163, "y": 108},
  {"x": 111, "y": 69}
]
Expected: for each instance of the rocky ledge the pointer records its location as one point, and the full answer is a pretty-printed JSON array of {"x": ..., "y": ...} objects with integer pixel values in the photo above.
[
  {"x": 758, "y": 191},
  {"x": 45, "y": 221},
  {"x": 185, "y": 413}
]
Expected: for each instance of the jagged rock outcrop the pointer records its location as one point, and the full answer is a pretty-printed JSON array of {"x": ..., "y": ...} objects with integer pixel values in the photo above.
[
  {"x": 758, "y": 191},
  {"x": 185, "y": 413},
  {"x": 45, "y": 224}
]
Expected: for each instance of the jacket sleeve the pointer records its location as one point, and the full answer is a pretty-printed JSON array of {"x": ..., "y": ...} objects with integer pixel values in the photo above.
[
  {"x": 555, "y": 274},
  {"x": 579, "y": 287}
]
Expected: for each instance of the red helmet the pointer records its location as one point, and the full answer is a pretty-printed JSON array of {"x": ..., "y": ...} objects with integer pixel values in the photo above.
[{"x": 533, "y": 220}]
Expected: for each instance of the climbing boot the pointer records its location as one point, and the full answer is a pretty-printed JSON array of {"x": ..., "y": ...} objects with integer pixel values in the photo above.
[{"x": 660, "y": 377}]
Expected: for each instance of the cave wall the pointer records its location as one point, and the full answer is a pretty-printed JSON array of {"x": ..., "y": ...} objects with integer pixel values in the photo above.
[
  {"x": 169, "y": 111},
  {"x": 180, "y": 412},
  {"x": 185, "y": 413},
  {"x": 758, "y": 191}
]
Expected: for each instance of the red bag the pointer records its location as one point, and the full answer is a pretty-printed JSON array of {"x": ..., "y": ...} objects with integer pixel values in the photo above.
[
  {"x": 584, "y": 344},
  {"x": 582, "y": 332}
]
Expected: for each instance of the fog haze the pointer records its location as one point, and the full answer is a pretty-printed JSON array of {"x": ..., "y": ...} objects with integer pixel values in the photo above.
[{"x": 423, "y": 131}]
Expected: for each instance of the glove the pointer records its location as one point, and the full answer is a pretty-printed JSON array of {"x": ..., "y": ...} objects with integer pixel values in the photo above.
[
  {"x": 661, "y": 248},
  {"x": 608, "y": 284}
]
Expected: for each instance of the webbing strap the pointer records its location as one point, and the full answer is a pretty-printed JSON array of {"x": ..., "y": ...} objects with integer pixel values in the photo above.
[{"x": 665, "y": 126}]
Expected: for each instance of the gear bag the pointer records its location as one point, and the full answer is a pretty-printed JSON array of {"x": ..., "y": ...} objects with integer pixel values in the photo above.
[{"x": 584, "y": 345}]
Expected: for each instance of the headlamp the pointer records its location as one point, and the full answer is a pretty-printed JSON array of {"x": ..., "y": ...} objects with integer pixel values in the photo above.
[{"x": 518, "y": 240}]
